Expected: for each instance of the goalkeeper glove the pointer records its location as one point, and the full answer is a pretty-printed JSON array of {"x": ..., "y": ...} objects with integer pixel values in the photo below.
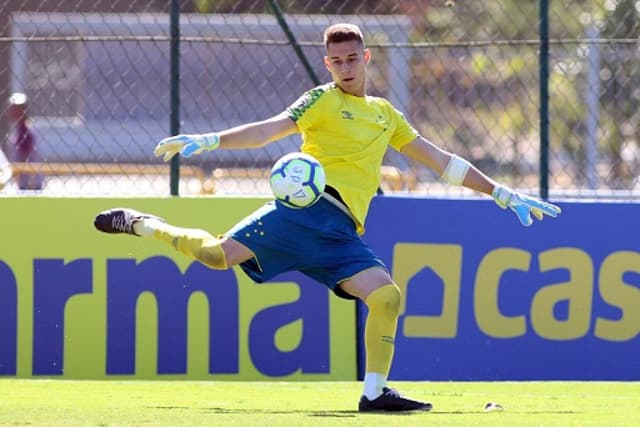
[
  {"x": 186, "y": 145},
  {"x": 523, "y": 206}
]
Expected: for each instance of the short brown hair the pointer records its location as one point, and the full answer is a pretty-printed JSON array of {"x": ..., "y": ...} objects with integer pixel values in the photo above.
[{"x": 342, "y": 33}]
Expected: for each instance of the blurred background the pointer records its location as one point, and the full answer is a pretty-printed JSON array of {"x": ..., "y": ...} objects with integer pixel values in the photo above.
[{"x": 542, "y": 95}]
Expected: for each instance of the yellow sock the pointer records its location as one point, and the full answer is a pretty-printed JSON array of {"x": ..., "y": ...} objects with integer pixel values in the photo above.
[
  {"x": 380, "y": 328},
  {"x": 195, "y": 243}
]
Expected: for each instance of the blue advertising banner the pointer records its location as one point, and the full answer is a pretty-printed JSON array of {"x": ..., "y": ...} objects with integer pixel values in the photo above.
[
  {"x": 488, "y": 299},
  {"x": 484, "y": 298}
]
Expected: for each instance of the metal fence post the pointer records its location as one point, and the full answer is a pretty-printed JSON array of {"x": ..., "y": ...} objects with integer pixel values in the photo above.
[
  {"x": 544, "y": 99},
  {"x": 277, "y": 10},
  {"x": 175, "y": 90}
]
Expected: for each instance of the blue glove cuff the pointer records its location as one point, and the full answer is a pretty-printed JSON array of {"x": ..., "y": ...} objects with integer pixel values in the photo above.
[
  {"x": 502, "y": 196},
  {"x": 210, "y": 141}
]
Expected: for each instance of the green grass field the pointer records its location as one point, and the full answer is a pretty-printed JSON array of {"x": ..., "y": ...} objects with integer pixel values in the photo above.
[{"x": 188, "y": 403}]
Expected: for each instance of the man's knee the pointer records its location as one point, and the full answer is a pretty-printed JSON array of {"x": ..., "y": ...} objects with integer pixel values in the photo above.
[{"x": 385, "y": 299}]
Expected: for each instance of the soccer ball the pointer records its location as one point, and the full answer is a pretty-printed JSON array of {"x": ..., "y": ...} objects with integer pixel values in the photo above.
[{"x": 297, "y": 180}]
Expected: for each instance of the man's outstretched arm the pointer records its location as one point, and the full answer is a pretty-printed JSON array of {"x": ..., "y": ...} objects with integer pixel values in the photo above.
[
  {"x": 250, "y": 135},
  {"x": 455, "y": 170}
]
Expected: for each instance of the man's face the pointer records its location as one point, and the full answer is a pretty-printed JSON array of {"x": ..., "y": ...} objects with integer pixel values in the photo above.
[{"x": 347, "y": 63}]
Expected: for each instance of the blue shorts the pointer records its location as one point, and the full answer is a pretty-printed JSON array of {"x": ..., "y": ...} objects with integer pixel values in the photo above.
[{"x": 320, "y": 241}]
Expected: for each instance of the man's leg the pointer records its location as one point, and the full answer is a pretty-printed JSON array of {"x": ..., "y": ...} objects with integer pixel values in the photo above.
[
  {"x": 215, "y": 252},
  {"x": 379, "y": 334},
  {"x": 382, "y": 297}
]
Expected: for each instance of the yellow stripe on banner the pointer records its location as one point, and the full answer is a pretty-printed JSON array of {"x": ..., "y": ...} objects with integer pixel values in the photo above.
[{"x": 93, "y": 306}]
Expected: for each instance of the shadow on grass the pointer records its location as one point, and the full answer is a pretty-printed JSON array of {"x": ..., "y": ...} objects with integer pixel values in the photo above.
[
  {"x": 281, "y": 411},
  {"x": 310, "y": 413},
  {"x": 353, "y": 413}
]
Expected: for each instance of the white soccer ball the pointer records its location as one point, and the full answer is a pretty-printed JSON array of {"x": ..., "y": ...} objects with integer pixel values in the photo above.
[{"x": 297, "y": 180}]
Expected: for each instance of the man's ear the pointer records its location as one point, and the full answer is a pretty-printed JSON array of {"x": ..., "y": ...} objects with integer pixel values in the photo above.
[
  {"x": 367, "y": 56},
  {"x": 326, "y": 62}
]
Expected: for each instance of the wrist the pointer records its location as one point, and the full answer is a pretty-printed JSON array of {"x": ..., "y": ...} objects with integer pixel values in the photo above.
[
  {"x": 502, "y": 195},
  {"x": 210, "y": 141}
]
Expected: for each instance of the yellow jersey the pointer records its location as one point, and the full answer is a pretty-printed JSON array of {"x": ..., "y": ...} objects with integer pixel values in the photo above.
[{"x": 349, "y": 136}]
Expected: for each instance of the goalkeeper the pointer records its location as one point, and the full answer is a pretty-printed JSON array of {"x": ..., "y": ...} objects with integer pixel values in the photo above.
[{"x": 348, "y": 132}]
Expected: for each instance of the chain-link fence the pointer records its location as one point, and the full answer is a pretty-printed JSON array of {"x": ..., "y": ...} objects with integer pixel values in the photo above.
[{"x": 469, "y": 75}]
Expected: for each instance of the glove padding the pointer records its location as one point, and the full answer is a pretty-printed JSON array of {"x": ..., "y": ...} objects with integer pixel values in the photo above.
[
  {"x": 524, "y": 206},
  {"x": 186, "y": 145}
]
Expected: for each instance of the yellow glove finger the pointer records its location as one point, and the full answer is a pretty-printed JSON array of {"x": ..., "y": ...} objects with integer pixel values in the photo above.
[
  {"x": 169, "y": 155},
  {"x": 537, "y": 213},
  {"x": 162, "y": 148}
]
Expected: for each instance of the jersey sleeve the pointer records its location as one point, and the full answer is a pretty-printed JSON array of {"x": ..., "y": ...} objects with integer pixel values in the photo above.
[
  {"x": 301, "y": 110},
  {"x": 404, "y": 131}
]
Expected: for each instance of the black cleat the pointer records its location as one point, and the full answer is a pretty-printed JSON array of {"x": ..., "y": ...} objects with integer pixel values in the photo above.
[
  {"x": 120, "y": 220},
  {"x": 391, "y": 401}
]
